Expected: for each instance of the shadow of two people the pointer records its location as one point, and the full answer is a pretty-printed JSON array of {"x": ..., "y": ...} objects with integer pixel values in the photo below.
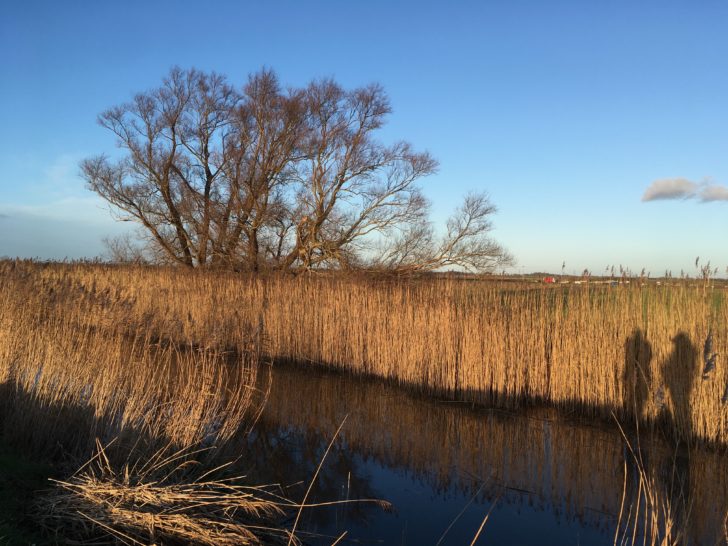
[{"x": 678, "y": 374}]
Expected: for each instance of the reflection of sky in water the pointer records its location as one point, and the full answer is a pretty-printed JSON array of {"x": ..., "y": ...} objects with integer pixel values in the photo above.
[
  {"x": 421, "y": 514},
  {"x": 553, "y": 481}
]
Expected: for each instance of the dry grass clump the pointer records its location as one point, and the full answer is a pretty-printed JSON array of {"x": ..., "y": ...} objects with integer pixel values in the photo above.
[{"x": 157, "y": 502}]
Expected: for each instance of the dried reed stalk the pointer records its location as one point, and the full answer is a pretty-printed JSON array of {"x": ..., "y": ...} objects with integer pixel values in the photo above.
[{"x": 157, "y": 502}]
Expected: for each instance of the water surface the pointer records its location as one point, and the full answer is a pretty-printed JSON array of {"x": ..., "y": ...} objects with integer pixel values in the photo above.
[{"x": 544, "y": 477}]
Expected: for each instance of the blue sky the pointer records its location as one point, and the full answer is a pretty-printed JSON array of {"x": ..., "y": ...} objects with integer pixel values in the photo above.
[{"x": 565, "y": 112}]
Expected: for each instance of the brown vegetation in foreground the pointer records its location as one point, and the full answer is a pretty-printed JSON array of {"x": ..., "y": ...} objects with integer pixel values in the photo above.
[
  {"x": 628, "y": 349},
  {"x": 85, "y": 370}
]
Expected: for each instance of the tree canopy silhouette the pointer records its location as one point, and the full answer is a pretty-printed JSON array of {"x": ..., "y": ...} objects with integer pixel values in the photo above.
[{"x": 263, "y": 177}]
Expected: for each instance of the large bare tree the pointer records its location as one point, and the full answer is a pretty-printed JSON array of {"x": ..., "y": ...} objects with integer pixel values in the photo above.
[{"x": 259, "y": 177}]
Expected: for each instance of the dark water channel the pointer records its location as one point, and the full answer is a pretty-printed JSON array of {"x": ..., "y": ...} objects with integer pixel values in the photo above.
[{"x": 545, "y": 477}]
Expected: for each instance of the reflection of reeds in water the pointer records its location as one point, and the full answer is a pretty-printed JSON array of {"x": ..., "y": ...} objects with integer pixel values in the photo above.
[
  {"x": 650, "y": 519},
  {"x": 657, "y": 509},
  {"x": 537, "y": 457},
  {"x": 468, "y": 340}
]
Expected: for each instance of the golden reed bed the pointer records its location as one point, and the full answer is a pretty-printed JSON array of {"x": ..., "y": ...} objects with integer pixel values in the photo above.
[
  {"x": 600, "y": 349},
  {"x": 86, "y": 377}
]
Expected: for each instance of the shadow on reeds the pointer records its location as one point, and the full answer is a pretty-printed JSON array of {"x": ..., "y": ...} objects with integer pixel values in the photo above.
[
  {"x": 59, "y": 437},
  {"x": 656, "y": 394},
  {"x": 680, "y": 370},
  {"x": 637, "y": 378},
  {"x": 481, "y": 342},
  {"x": 66, "y": 433}
]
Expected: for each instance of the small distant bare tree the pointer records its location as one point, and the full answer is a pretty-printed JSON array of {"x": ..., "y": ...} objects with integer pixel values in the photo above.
[
  {"x": 292, "y": 180},
  {"x": 466, "y": 243},
  {"x": 126, "y": 249}
]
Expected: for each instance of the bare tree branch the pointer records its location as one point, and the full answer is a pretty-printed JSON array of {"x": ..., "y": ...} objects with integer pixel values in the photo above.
[{"x": 266, "y": 178}]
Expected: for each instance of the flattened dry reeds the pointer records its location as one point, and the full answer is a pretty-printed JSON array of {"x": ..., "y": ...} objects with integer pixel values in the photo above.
[{"x": 150, "y": 504}]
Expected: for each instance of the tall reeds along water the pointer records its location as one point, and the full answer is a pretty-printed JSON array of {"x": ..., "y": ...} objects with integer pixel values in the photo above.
[
  {"x": 631, "y": 350},
  {"x": 86, "y": 374},
  {"x": 137, "y": 368}
]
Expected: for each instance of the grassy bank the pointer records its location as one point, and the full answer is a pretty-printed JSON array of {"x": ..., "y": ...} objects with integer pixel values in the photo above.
[
  {"x": 600, "y": 349},
  {"x": 131, "y": 416}
]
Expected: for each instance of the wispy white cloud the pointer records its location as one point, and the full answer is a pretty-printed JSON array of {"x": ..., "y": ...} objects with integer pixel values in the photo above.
[
  {"x": 714, "y": 192},
  {"x": 682, "y": 188},
  {"x": 670, "y": 188}
]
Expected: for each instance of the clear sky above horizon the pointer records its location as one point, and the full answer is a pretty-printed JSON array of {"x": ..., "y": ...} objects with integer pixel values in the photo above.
[{"x": 599, "y": 129}]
